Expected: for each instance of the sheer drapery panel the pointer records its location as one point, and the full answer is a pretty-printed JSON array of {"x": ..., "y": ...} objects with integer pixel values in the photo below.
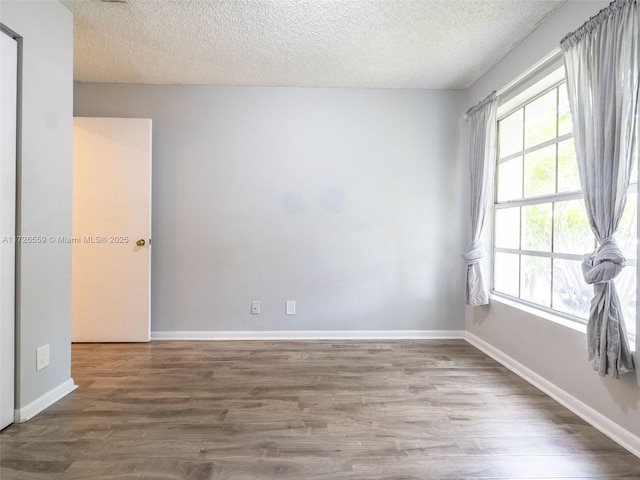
[
  {"x": 601, "y": 60},
  {"x": 482, "y": 124}
]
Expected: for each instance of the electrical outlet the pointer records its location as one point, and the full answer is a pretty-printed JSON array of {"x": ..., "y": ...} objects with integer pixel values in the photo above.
[
  {"x": 42, "y": 357},
  {"x": 291, "y": 307},
  {"x": 255, "y": 308}
]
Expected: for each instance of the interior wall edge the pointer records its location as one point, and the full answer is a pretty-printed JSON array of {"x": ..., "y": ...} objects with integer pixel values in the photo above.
[{"x": 45, "y": 99}]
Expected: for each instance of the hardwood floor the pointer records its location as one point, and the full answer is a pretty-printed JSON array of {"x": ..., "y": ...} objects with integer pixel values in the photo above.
[{"x": 303, "y": 410}]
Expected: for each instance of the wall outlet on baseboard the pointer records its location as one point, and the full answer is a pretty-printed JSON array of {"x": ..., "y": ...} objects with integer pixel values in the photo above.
[
  {"x": 255, "y": 308},
  {"x": 291, "y": 307},
  {"x": 42, "y": 357}
]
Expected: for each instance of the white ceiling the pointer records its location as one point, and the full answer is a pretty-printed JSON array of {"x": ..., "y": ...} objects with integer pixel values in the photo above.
[{"x": 310, "y": 43}]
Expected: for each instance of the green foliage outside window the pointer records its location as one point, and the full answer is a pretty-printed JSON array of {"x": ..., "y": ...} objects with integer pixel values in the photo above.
[{"x": 541, "y": 226}]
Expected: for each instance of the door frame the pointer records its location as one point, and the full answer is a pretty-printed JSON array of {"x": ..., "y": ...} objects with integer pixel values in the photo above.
[{"x": 4, "y": 30}]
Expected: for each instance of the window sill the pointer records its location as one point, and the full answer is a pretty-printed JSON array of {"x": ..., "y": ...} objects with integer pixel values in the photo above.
[{"x": 565, "y": 322}]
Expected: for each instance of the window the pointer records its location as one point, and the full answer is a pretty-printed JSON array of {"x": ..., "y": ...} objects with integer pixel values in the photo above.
[{"x": 541, "y": 227}]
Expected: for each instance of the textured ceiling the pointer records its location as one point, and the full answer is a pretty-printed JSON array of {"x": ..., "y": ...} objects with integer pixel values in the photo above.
[{"x": 312, "y": 43}]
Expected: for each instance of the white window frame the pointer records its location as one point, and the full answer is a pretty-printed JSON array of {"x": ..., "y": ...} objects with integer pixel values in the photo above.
[{"x": 539, "y": 88}]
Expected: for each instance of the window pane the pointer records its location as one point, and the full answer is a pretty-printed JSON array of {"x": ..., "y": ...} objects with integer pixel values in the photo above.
[
  {"x": 540, "y": 119},
  {"x": 564, "y": 113},
  {"x": 558, "y": 227},
  {"x": 540, "y": 172},
  {"x": 510, "y": 133},
  {"x": 536, "y": 227},
  {"x": 626, "y": 287},
  {"x": 508, "y": 227},
  {"x": 570, "y": 292},
  {"x": 568, "y": 178},
  {"x": 506, "y": 273},
  {"x": 536, "y": 280},
  {"x": 572, "y": 233},
  {"x": 510, "y": 180}
]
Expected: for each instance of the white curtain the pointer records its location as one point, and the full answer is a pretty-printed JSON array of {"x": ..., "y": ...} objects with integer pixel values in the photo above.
[
  {"x": 601, "y": 59},
  {"x": 482, "y": 120}
]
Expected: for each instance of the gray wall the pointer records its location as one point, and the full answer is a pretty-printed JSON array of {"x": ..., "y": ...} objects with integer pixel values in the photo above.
[
  {"x": 347, "y": 201},
  {"x": 44, "y": 282},
  {"x": 554, "y": 351}
]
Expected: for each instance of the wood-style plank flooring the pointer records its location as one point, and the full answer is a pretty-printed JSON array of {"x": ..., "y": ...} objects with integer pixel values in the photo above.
[{"x": 303, "y": 410}]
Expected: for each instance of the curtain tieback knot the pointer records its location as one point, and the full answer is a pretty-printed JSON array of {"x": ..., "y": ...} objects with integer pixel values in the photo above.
[
  {"x": 475, "y": 253},
  {"x": 603, "y": 264}
]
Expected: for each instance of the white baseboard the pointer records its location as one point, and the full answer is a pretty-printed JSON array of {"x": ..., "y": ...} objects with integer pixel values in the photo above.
[
  {"x": 311, "y": 335},
  {"x": 52, "y": 396},
  {"x": 614, "y": 431}
]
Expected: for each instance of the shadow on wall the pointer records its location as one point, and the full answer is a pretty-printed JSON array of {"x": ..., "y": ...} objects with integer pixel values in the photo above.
[
  {"x": 624, "y": 390},
  {"x": 331, "y": 201},
  {"x": 480, "y": 314}
]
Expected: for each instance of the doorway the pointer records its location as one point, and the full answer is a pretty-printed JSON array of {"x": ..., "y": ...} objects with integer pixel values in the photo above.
[
  {"x": 8, "y": 143},
  {"x": 111, "y": 230}
]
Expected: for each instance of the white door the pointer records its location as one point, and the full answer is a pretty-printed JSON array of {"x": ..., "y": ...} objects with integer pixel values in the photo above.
[
  {"x": 8, "y": 95},
  {"x": 111, "y": 230}
]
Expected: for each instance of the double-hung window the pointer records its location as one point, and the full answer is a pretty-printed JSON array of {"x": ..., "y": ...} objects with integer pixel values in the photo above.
[{"x": 541, "y": 231}]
